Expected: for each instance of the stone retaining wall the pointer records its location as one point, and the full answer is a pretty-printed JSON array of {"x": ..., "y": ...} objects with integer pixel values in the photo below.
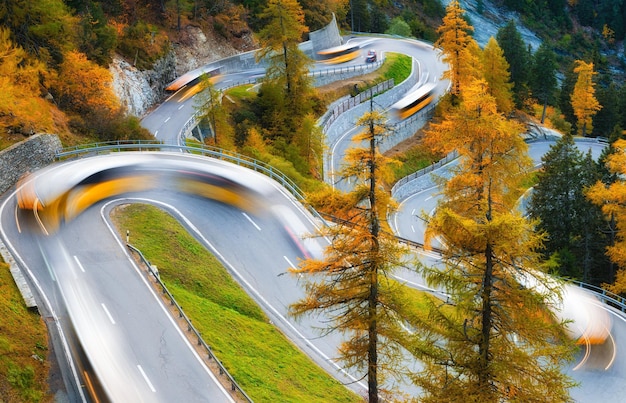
[{"x": 29, "y": 155}]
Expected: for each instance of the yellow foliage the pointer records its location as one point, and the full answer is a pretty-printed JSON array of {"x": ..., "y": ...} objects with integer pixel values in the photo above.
[
  {"x": 83, "y": 86},
  {"x": 21, "y": 107},
  {"x": 454, "y": 38},
  {"x": 612, "y": 198},
  {"x": 584, "y": 102}
]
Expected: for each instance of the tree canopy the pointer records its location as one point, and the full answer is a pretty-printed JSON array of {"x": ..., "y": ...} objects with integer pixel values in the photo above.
[
  {"x": 496, "y": 338},
  {"x": 575, "y": 240},
  {"x": 454, "y": 38},
  {"x": 584, "y": 102}
]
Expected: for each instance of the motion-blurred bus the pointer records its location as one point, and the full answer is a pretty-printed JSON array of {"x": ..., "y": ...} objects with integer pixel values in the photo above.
[
  {"x": 60, "y": 193},
  {"x": 414, "y": 102},
  {"x": 193, "y": 77},
  {"x": 339, "y": 54}
]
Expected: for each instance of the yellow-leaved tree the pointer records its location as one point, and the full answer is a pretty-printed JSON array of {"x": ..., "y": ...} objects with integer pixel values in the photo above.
[
  {"x": 583, "y": 98},
  {"x": 496, "y": 72},
  {"x": 84, "y": 87},
  {"x": 22, "y": 110},
  {"x": 454, "y": 38},
  {"x": 496, "y": 338},
  {"x": 352, "y": 286},
  {"x": 612, "y": 198}
]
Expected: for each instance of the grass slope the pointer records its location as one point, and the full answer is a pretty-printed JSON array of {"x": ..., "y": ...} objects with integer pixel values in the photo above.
[
  {"x": 260, "y": 358},
  {"x": 23, "y": 347}
]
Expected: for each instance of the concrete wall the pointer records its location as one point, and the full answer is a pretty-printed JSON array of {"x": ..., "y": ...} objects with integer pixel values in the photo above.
[
  {"x": 29, "y": 155},
  {"x": 321, "y": 39},
  {"x": 382, "y": 102},
  {"x": 326, "y": 37}
]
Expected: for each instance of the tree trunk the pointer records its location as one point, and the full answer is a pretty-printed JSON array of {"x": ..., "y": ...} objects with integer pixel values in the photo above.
[{"x": 372, "y": 378}]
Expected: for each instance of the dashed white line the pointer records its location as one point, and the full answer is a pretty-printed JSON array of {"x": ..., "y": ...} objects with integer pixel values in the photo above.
[
  {"x": 108, "y": 313},
  {"x": 251, "y": 221},
  {"x": 289, "y": 262},
  {"x": 412, "y": 229},
  {"x": 80, "y": 266},
  {"x": 181, "y": 107},
  {"x": 156, "y": 133},
  {"x": 428, "y": 198},
  {"x": 167, "y": 120},
  {"x": 145, "y": 377},
  {"x": 17, "y": 222}
]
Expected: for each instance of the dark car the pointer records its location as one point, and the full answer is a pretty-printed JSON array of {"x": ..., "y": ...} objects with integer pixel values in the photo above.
[{"x": 371, "y": 57}]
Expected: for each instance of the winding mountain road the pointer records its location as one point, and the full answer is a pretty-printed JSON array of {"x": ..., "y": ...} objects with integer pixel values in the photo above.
[{"x": 85, "y": 273}]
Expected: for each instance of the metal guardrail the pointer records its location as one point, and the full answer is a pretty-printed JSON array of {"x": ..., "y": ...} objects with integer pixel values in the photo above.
[
  {"x": 190, "y": 328},
  {"x": 347, "y": 69},
  {"x": 213, "y": 152},
  {"x": 445, "y": 160},
  {"x": 332, "y": 115},
  {"x": 605, "y": 296}
]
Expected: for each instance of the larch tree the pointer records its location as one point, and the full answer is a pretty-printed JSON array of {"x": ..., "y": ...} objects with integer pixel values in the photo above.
[
  {"x": 495, "y": 338},
  {"x": 21, "y": 107},
  {"x": 83, "y": 86},
  {"x": 496, "y": 72},
  {"x": 351, "y": 285},
  {"x": 279, "y": 44},
  {"x": 286, "y": 97},
  {"x": 454, "y": 38},
  {"x": 612, "y": 198},
  {"x": 583, "y": 98},
  {"x": 209, "y": 104}
]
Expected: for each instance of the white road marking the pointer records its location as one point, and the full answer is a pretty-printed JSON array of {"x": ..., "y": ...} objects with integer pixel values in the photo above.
[
  {"x": 412, "y": 229},
  {"x": 181, "y": 107},
  {"x": 289, "y": 262},
  {"x": 17, "y": 223},
  {"x": 80, "y": 266},
  {"x": 167, "y": 120},
  {"x": 108, "y": 313},
  {"x": 156, "y": 133},
  {"x": 428, "y": 198},
  {"x": 145, "y": 377},
  {"x": 251, "y": 221}
]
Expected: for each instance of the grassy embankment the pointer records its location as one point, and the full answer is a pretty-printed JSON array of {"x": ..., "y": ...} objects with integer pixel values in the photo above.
[
  {"x": 263, "y": 362},
  {"x": 23, "y": 347}
]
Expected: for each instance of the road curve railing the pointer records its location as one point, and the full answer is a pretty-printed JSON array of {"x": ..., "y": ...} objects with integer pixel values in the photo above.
[
  {"x": 88, "y": 150},
  {"x": 234, "y": 387}
]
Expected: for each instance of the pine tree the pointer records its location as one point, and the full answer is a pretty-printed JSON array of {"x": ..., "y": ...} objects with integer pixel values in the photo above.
[
  {"x": 496, "y": 338},
  {"x": 584, "y": 102},
  {"x": 352, "y": 284},
  {"x": 454, "y": 38},
  {"x": 543, "y": 77},
  {"x": 570, "y": 221},
  {"x": 517, "y": 55}
]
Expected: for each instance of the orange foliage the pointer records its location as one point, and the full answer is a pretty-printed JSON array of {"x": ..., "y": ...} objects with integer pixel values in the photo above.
[
  {"x": 22, "y": 109},
  {"x": 83, "y": 86}
]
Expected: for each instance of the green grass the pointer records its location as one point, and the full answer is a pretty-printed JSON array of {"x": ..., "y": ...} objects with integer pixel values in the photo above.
[
  {"x": 412, "y": 160},
  {"x": 267, "y": 366},
  {"x": 396, "y": 66},
  {"x": 23, "y": 347}
]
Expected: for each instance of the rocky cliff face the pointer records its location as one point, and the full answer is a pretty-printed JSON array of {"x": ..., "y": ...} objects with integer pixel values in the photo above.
[{"x": 141, "y": 90}]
